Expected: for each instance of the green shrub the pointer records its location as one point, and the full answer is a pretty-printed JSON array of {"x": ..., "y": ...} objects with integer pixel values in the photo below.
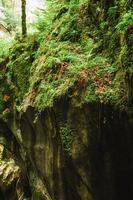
[
  {"x": 112, "y": 12},
  {"x": 126, "y": 20},
  {"x": 5, "y": 46}
]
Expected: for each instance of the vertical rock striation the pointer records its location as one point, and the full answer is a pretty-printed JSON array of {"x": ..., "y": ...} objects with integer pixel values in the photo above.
[{"x": 98, "y": 165}]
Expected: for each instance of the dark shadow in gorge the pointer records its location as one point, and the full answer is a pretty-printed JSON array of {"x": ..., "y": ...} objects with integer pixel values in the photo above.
[{"x": 112, "y": 156}]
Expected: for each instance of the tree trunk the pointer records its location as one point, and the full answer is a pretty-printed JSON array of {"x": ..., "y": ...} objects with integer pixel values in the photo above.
[{"x": 24, "y": 28}]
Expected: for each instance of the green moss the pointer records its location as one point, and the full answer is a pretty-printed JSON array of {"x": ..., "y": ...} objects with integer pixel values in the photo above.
[
  {"x": 21, "y": 57},
  {"x": 79, "y": 52},
  {"x": 90, "y": 95},
  {"x": 67, "y": 136}
]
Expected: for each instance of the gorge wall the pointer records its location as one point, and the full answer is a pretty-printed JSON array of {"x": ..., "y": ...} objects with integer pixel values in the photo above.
[
  {"x": 98, "y": 165},
  {"x": 66, "y": 106}
]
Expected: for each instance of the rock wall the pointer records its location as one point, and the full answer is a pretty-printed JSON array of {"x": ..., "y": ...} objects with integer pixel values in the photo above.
[
  {"x": 74, "y": 139},
  {"x": 98, "y": 164}
]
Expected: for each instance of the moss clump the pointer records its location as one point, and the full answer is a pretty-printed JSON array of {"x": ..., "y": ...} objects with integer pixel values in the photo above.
[
  {"x": 67, "y": 137},
  {"x": 22, "y": 55}
]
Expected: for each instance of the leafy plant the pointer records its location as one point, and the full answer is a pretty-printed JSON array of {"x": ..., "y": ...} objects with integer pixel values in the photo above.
[
  {"x": 113, "y": 11},
  {"x": 4, "y": 47},
  {"x": 104, "y": 25},
  {"x": 67, "y": 136},
  {"x": 126, "y": 20},
  {"x": 8, "y": 19}
]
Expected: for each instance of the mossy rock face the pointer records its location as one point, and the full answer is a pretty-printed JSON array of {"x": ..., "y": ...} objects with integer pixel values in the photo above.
[
  {"x": 78, "y": 54},
  {"x": 85, "y": 69},
  {"x": 9, "y": 174},
  {"x": 69, "y": 89}
]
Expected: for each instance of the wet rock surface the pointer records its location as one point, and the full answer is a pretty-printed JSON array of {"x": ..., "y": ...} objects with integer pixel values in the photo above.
[{"x": 98, "y": 164}]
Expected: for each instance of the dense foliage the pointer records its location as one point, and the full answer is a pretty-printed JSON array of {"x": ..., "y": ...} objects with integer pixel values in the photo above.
[
  {"x": 8, "y": 20},
  {"x": 82, "y": 50}
]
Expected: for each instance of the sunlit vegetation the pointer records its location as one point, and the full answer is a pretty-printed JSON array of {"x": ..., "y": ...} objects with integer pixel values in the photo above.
[{"x": 72, "y": 53}]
